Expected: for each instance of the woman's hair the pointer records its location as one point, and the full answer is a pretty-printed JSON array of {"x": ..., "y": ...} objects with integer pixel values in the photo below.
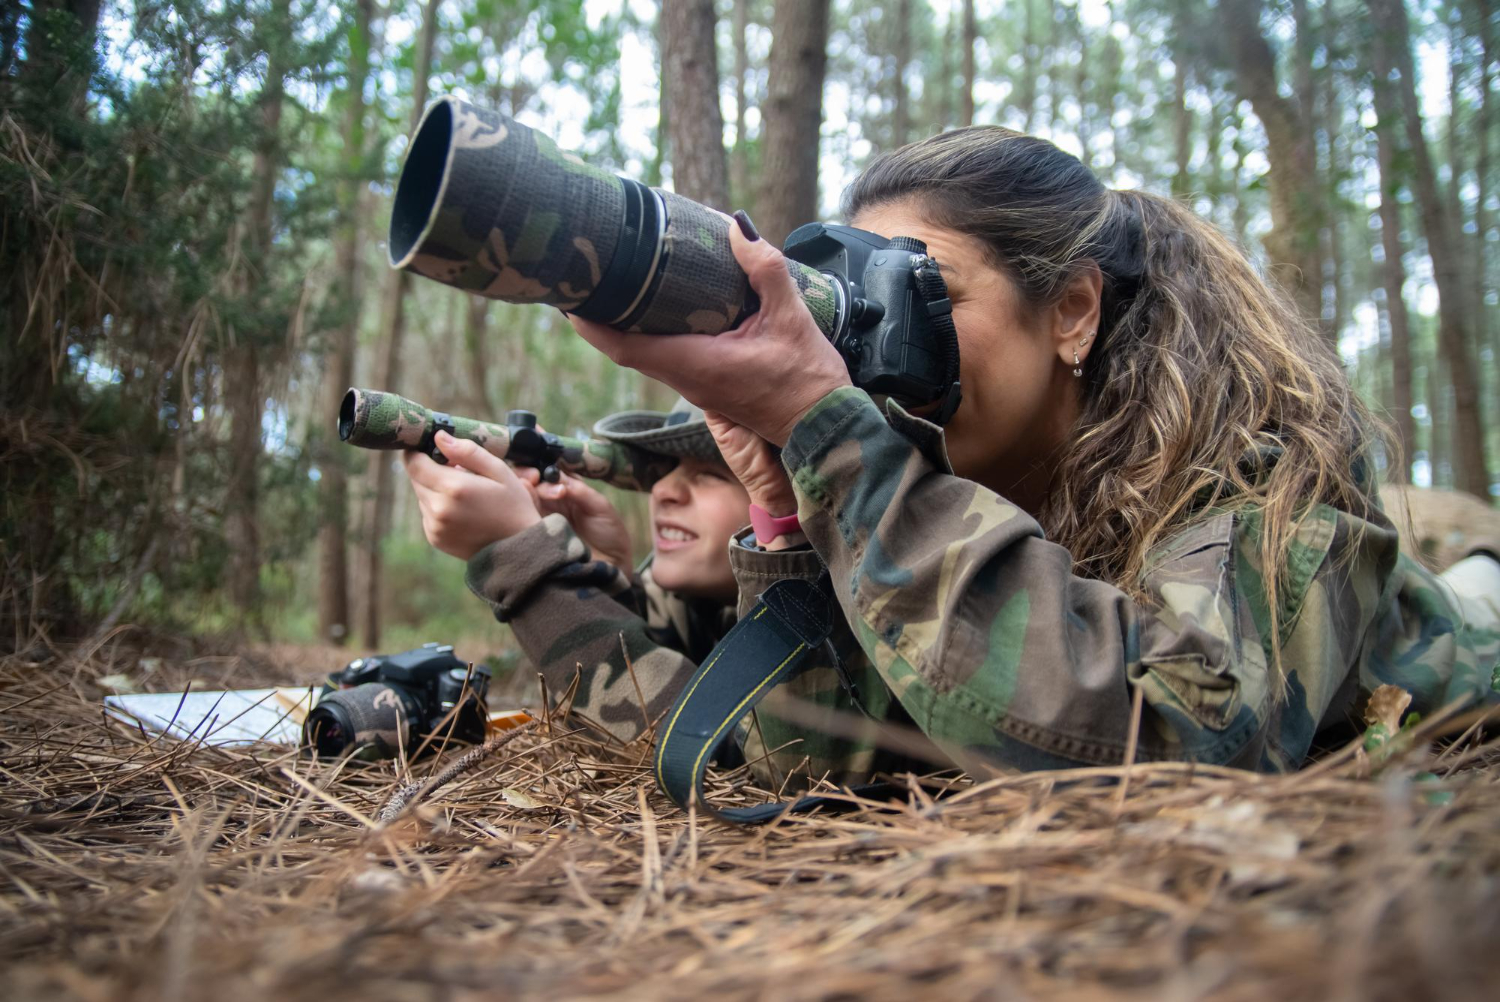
[{"x": 1204, "y": 389}]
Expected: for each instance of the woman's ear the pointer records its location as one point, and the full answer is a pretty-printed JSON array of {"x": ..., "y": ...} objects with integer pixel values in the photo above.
[{"x": 1075, "y": 318}]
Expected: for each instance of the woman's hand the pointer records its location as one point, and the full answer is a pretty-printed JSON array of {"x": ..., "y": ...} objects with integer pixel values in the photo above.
[
  {"x": 592, "y": 516},
  {"x": 469, "y": 505},
  {"x": 765, "y": 374},
  {"x": 753, "y": 462}
]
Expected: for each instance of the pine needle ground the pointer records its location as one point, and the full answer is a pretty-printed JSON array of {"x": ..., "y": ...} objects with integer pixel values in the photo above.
[{"x": 138, "y": 867}]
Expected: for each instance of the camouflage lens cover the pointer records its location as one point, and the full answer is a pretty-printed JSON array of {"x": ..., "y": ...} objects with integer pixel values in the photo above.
[
  {"x": 702, "y": 289},
  {"x": 487, "y": 205}
]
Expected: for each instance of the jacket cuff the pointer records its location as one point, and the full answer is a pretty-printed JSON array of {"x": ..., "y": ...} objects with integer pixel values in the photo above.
[
  {"x": 507, "y": 571},
  {"x": 756, "y": 570}
]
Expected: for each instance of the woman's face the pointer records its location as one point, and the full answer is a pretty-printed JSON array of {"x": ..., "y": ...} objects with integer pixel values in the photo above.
[
  {"x": 1020, "y": 399},
  {"x": 694, "y": 511}
]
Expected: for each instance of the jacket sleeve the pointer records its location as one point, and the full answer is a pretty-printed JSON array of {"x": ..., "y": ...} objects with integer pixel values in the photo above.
[
  {"x": 576, "y": 617},
  {"x": 990, "y": 642}
]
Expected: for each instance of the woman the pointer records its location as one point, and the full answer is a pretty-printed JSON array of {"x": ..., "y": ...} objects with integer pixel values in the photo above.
[
  {"x": 1157, "y": 485},
  {"x": 554, "y": 561}
]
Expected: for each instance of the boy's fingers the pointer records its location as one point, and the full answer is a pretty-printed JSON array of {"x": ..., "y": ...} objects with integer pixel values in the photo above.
[
  {"x": 474, "y": 458},
  {"x": 423, "y": 471},
  {"x": 425, "y": 497}
]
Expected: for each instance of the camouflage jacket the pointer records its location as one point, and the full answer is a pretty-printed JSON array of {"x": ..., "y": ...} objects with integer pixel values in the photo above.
[
  {"x": 576, "y": 617},
  {"x": 963, "y": 620}
]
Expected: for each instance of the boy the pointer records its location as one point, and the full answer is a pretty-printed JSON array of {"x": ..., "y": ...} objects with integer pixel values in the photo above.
[{"x": 553, "y": 561}]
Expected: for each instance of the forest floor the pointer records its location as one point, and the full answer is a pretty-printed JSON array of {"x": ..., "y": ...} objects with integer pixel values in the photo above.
[{"x": 135, "y": 867}]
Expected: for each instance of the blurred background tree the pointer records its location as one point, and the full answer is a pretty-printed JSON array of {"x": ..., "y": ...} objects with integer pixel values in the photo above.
[{"x": 193, "y": 201}]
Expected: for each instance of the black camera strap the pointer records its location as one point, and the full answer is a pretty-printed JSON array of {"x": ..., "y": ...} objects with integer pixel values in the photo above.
[
  {"x": 771, "y": 644},
  {"x": 934, "y": 292}
]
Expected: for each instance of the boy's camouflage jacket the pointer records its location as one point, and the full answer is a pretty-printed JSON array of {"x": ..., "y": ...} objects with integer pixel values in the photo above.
[
  {"x": 569, "y": 613},
  {"x": 968, "y": 623}
]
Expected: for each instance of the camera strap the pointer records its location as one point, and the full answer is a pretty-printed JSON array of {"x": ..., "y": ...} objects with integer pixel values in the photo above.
[
  {"x": 934, "y": 292},
  {"x": 771, "y": 644}
]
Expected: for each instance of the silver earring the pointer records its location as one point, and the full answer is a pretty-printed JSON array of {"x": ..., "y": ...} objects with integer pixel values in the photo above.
[{"x": 1077, "y": 365}]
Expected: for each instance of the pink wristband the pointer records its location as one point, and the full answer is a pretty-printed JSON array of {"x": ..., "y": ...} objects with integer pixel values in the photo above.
[{"x": 768, "y": 527}]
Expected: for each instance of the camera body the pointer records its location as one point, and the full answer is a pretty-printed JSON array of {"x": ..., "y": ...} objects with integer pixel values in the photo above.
[
  {"x": 388, "y": 703},
  {"x": 894, "y": 322}
]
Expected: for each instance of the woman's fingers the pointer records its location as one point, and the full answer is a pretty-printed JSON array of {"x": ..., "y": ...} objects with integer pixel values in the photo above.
[
  {"x": 673, "y": 360},
  {"x": 763, "y": 375},
  {"x": 764, "y": 265}
]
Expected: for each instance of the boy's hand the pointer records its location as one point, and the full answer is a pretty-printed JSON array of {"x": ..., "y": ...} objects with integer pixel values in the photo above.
[
  {"x": 471, "y": 504},
  {"x": 589, "y": 512}
]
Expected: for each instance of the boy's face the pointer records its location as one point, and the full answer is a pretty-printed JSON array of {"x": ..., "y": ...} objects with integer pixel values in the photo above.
[{"x": 694, "y": 511}]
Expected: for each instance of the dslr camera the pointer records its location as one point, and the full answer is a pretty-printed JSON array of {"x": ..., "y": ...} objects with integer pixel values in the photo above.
[{"x": 382, "y": 705}]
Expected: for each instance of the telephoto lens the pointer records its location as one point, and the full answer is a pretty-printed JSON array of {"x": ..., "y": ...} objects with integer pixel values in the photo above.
[{"x": 488, "y": 205}]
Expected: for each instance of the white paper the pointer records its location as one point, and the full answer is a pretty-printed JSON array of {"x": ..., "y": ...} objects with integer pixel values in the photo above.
[{"x": 227, "y": 718}]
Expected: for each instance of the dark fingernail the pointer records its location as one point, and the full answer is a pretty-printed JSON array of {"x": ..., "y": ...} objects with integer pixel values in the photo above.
[{"x": 746, "y": 226}]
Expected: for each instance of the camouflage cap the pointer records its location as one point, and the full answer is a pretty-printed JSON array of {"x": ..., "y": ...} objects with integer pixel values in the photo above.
[{"x": 681, "y": 432}]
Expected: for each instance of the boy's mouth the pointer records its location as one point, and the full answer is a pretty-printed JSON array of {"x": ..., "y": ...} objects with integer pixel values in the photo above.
[{"x": 671, "y": 537}]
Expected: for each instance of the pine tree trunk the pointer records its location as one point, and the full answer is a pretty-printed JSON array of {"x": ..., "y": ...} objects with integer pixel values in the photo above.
[
  {"x": 393, "y": 313},
  {"x": 1241, "y": 204},
  {"x": 971, "y": 38},
  {"x": 1440, "y": 435},
  {"x": 1393, "y": 279},
  {"x": 739, "y": 163},
  {"x": 945, "y": 74},
  {"x": 1327, "y": 117},
  {"x": 1296, "y": 210},
  {"x": 691, "y": 66},
  {"x": 1031, "y": 57},
  {"x": 243, "y": 395},
  {"x": 244, "y": 402},
  {"x": 901, "y": 111},
  {"x": 1182, "y": 115},
  {"x": 476, "y": 347},
  {"x": 793, "y": 116},
  {"x": 1484, "y": 222},
  {"x": 1054, "y": 73},
  {"x": 333, "y": 578},
  {"x": 1455, "y": 320},
  {"x": 1084, "y": 81}
]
